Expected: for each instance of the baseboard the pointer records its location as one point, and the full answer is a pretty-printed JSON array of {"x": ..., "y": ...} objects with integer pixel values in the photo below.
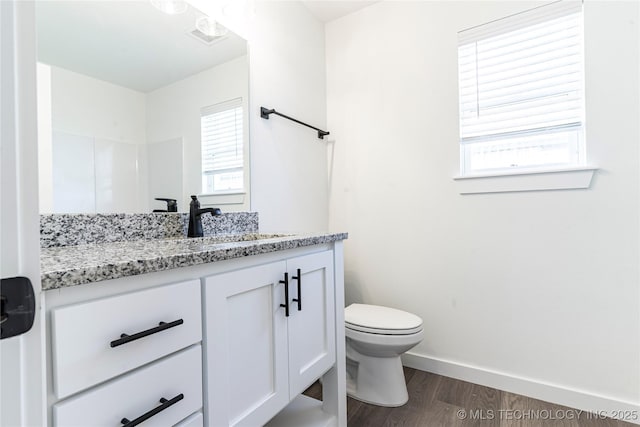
[{"x": 598, "y": 404}]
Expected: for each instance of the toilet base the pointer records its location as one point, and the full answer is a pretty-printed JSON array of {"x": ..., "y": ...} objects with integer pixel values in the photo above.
[{"x": 376, "y": 380}]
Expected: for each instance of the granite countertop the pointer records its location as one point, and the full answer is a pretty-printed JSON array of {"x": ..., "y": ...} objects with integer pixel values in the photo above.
[{"x": 76, "y": 265}]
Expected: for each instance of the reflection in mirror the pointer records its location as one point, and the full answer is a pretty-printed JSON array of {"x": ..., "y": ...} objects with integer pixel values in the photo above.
[{"x": 135, "y": 104}]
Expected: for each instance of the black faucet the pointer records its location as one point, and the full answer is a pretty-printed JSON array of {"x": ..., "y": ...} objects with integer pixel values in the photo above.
[
  {"x": 195, "y": 223},
  {"x": 172, "y": 205}
]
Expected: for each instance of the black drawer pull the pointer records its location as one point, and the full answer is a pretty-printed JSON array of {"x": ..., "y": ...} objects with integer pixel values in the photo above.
[
  {"x": 144, "y": 417},
  {"x": 286, "y": 294},
  {"x": 124, "y": 338},
  {"x": 298, "y": 277}
]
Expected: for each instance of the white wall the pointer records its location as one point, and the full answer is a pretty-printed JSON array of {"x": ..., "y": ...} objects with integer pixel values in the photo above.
[
  {"x": 109, "y": 117},
  {"x": 288, "y": 162},
  {"x": 534, "y": 292},
  {"x": 86, "y": 106},
  {"x": 287, "y": 72},
  {"x": 173, "y": 111}
]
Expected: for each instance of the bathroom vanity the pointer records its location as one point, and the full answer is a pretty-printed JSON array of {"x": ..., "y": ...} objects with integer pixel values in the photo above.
[{"x": 221, "y": 330}]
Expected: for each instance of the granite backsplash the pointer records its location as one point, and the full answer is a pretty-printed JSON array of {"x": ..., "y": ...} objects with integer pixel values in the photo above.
[{"x": 79, "y": 229}]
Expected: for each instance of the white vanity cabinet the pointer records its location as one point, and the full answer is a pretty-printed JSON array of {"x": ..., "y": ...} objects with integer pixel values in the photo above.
[
  {"x": 259, "y": 353},
  {"x": 213, "y": 339}
]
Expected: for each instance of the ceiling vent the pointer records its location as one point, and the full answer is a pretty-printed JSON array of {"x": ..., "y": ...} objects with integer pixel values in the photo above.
[{"x": 208, "y": 40}]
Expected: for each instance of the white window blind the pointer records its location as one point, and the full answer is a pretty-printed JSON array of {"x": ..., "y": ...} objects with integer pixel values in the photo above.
[
  {"x": 521, "y": 91},
  {"x": 222, "y": 147}
]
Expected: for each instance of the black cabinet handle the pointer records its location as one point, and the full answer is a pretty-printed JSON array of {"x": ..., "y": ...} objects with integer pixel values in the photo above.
[
  {"x": 144, "y": 417},
  {"x": 298, "y": 277},
  {"x": 124, "y": 338},
  {"x": 286, "y": 294}
]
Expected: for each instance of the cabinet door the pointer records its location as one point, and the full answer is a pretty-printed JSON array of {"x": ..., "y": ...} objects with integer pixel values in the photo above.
[
  {"x": 312, "y": 328},
  {"x": 246, "y": 346}
]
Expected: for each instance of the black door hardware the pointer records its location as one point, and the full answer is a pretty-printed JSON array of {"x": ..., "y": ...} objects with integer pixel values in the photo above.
[
  {"x": 17, "y": 306},
  {"x": 265, "y": 112},
  {"x": 144, "y": 417},
  {"x": 286, "y": 294},
  {"x": 298, "y": 277},
  {"x": 162, "y": 326}
]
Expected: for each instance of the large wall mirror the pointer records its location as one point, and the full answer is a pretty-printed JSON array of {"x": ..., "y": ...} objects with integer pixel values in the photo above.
[{"x": 136, "y": 104}]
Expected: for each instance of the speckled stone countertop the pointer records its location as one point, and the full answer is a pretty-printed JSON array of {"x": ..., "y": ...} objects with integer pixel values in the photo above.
[
  {"x": 84, "y": 229},
  {"x": 81, "y": 264}
]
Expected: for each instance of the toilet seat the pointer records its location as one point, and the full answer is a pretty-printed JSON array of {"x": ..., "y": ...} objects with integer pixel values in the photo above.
[
  {"x": 374, "y": 319},
  {"x": 382, "y": 331}
]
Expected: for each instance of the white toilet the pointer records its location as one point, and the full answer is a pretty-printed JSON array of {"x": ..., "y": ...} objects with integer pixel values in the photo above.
[{"x": 376, "y": 337}]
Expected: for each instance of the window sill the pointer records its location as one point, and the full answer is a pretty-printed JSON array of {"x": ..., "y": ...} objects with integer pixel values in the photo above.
[
  {"x": 222, "y": 198},
  {"x": 539, "y": 180}
]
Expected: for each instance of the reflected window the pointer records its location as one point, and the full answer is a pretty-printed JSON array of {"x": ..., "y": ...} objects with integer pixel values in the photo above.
[{"x": 222, "y": 147}]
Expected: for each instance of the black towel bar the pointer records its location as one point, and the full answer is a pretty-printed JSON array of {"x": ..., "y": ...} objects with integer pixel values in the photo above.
[{"x": 265, "y": 112}]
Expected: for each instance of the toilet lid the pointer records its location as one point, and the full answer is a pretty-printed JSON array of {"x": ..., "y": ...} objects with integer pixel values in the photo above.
[{"x": 381, "y": 320}]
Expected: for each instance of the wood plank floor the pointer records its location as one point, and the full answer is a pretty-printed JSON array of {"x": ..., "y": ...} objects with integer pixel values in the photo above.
[{"x": 437, "y": 401}]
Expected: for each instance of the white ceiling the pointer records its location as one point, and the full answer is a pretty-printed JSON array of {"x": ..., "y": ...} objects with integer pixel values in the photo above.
[
  {"x": 128, "y": 43},
  {"x": 328, "y": 10}
]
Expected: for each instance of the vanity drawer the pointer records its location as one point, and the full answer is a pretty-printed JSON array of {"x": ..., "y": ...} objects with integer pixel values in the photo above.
[
  {"x": 177, "y": 378},
  {"x": 87, "y": 348}
]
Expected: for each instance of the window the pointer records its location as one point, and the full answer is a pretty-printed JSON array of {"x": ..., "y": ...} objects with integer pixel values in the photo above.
[
  {"x": 222, "y": 147},
  {"x": 521, "y": 92}
]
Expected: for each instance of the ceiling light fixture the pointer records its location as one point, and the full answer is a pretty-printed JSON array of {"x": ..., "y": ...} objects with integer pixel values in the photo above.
[
  {"x": 171, "y": 7},
  {"x": 210, "y": 27}
]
